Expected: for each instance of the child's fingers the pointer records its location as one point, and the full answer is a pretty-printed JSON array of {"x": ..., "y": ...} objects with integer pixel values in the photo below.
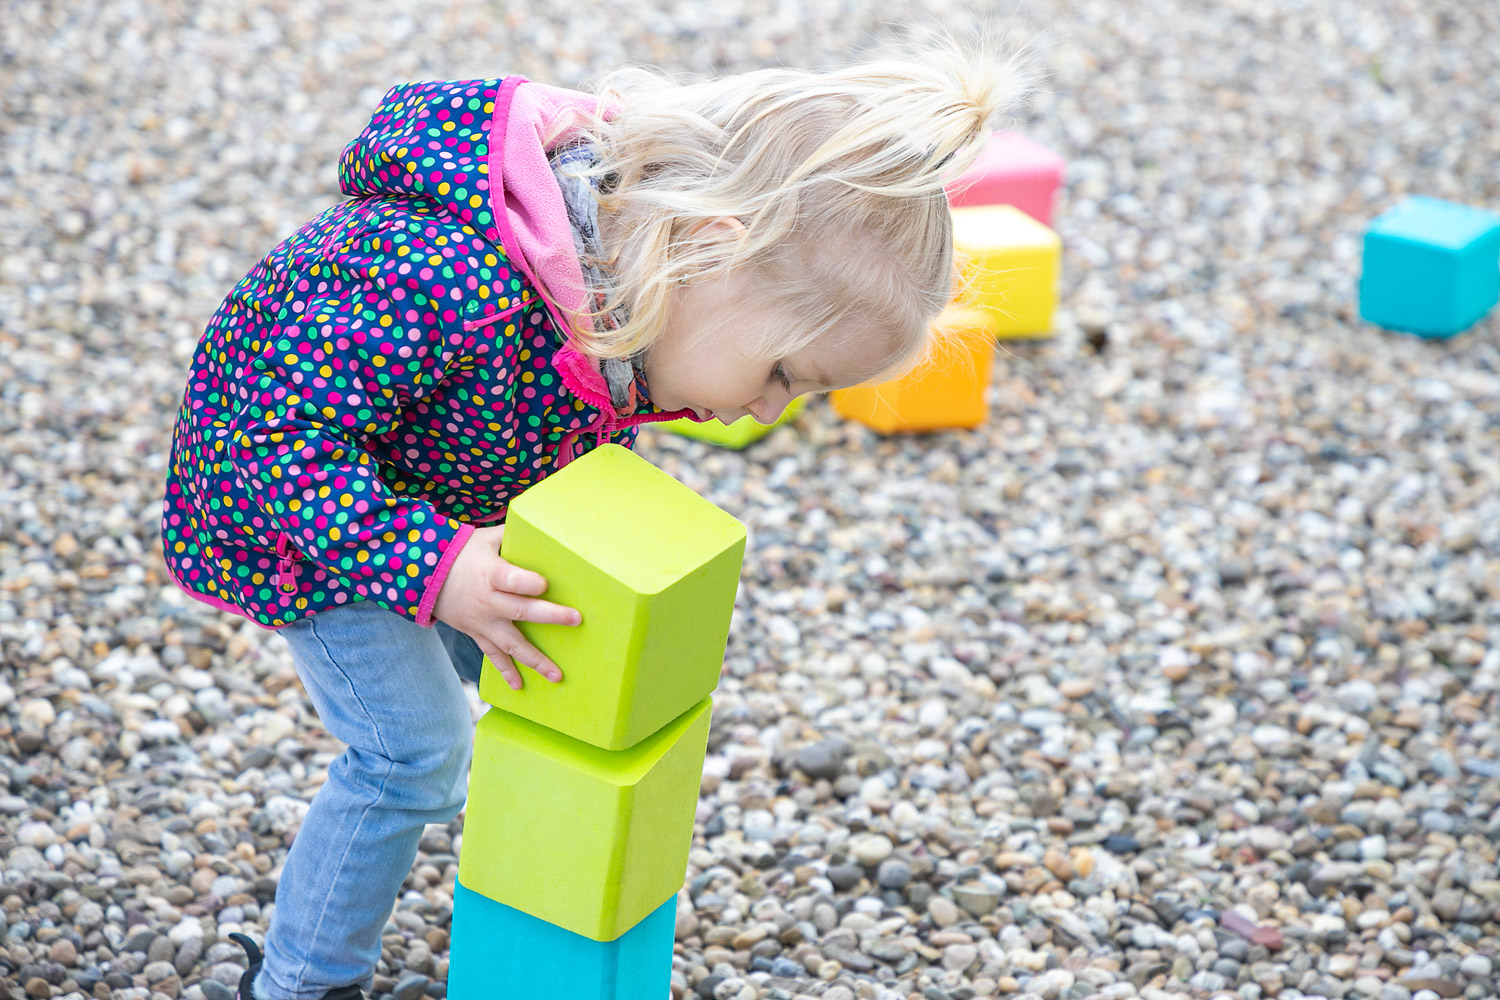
[
  {"x": 501, "y": 662},
  {"x": 529, "y": 609},
  {"x": 513, "y": 643},
  {"x": 515, "y": 580}
]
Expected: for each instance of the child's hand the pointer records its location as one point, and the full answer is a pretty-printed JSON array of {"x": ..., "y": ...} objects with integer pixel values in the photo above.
[{"x": 484, "y": 595}]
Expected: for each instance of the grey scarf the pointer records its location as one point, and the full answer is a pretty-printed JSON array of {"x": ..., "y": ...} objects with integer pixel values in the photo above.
[{"x": 580, "y": 196}]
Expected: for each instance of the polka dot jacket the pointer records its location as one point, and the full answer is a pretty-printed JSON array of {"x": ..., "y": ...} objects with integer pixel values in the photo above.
[{"x": 382, "y": 381}]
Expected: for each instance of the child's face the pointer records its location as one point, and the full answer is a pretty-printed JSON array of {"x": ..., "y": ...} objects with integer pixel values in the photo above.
[{"x": 700, "y": 362}]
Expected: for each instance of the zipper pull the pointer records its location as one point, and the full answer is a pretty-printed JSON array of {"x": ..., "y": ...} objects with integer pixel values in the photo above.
[{"x": 286, "y": 566}]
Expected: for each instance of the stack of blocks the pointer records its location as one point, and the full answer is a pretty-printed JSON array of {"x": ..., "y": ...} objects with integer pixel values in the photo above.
[
  {"x": 1431, "y": 267},
  {"x": 582, "y": 793},
  {"x": 1009, "y": 259}
]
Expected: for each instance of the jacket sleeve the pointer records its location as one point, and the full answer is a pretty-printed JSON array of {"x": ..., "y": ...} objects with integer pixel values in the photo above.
[{"x": 368, "y": 328}]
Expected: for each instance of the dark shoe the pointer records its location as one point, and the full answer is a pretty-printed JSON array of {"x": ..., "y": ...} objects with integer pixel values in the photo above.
[
  {"x": 252, "y": 952},
  {"x": 345, "y": 993}
]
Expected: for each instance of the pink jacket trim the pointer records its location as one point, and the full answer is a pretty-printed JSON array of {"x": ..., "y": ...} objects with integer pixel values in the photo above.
[
  {"x": 440, "y": 574},
  {"x": 581, "y": 377},
  {"x": 215, "y": 602}
]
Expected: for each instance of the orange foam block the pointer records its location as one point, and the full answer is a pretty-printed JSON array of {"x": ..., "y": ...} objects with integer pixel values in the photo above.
[{"x": 948, "y": 391}]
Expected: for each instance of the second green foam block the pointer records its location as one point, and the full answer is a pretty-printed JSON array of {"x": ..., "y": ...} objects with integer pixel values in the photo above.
[
  {"x": 652, "y": 567},
  {"x": 589, "y": 840}
]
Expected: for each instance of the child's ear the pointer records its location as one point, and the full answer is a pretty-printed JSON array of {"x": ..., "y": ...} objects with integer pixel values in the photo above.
[
  {"x": 718, "y": 238},
  {"x": 724, "y": 226}
]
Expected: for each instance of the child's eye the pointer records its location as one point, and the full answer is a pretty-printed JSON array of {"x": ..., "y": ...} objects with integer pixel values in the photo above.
[{"x": 781, "y": 376}]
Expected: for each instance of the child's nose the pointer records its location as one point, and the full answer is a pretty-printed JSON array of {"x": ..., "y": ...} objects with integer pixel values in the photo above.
[{"x": 767, "y": 411}]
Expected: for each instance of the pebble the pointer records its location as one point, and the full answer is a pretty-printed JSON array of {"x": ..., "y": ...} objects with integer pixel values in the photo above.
[
  {"x": 958, "y": 957},
  {"x": 410, "y": 987},
  {"x": 943, "y": 911},
  {"x": 932, "y": 714},
  {"x": 36, "y": 835},
  {"x": 1076, "y": 688},
  {"x": 845, "y": 877},
  {"x": 978, "y": 900},
  {"x": 872, "y": 849},
  {"x": 893, "y": 874},
  {"x": 824, "y": 759},
  {"x": 1477, "y": 966}
]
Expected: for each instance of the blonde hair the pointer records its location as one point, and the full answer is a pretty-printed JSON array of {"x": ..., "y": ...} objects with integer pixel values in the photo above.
[{"x": 837, "y": 175}]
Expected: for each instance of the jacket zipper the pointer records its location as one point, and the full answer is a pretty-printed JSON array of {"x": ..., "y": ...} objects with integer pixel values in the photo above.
[{"x": 286, "y": 566}]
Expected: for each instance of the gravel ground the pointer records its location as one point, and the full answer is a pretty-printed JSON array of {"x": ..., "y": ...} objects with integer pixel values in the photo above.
[{"x": 1177, "y": 678}]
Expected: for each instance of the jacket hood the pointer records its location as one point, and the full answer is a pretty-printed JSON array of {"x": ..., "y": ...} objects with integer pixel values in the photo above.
[
  {"x": 506, "y": 191},
  {"x": 513, "y": 200}
]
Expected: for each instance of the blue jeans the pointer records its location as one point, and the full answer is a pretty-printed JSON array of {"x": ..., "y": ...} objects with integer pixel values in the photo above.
[{"x": 392, "y": 690}]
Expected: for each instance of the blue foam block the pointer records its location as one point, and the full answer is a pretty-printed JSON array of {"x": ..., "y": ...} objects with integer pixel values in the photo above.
[
  {"x": 1431, "y": 267},
  {"x": 497, "y": 952}
]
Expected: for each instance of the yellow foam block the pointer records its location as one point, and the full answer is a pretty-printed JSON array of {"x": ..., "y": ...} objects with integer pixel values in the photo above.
[
  {"x": 588, "y": 839},
  {"x": 1010, "y": 265},
  {"x": 949, "y": 391}
]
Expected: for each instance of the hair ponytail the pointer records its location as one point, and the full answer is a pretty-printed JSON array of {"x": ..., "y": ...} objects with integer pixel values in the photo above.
[{"x": 837, "y": 174}]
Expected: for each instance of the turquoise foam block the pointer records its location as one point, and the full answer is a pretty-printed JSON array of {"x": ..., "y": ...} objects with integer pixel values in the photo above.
[
  {"x": 1431, "y": 267},
  {"x": 496, "y": 952}
]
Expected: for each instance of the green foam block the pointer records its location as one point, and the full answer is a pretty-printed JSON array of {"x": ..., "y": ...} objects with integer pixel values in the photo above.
[
  {"x": 652, "y": 567},
  {"x": 743, "y": 432},
  {"x": 588, "y": 839}
]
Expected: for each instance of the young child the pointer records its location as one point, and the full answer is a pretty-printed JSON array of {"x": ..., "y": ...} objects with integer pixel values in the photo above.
[{"x": 521, "y": 273}]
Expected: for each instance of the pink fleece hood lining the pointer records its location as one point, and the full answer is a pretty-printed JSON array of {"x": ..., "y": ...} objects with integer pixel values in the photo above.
[
  {"x": 524, "y": 198},
  {"x": 528, "y": 210}
]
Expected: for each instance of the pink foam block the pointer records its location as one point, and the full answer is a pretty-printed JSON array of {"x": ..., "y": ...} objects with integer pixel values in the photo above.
[{"x": 1012, "y": 170}]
